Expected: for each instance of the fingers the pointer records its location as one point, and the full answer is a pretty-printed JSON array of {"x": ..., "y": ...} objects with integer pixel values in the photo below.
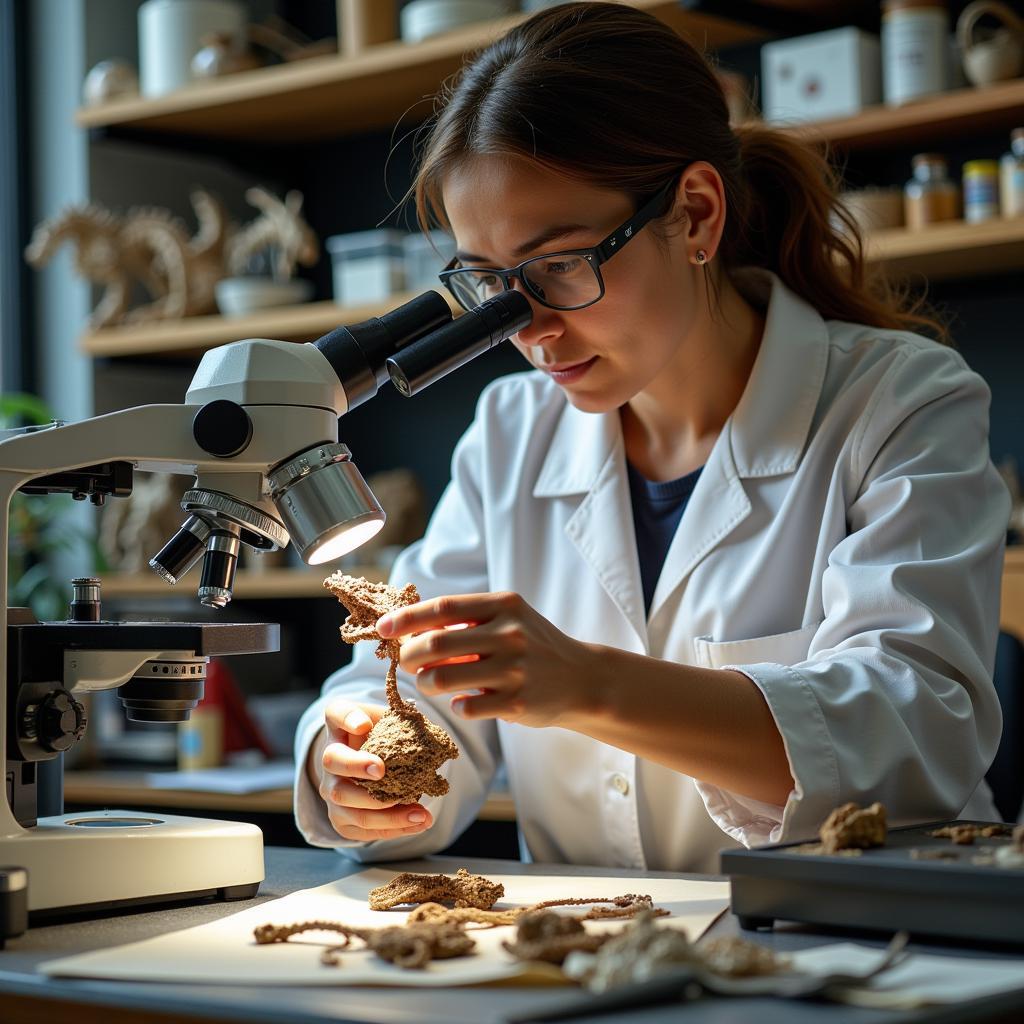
[
  {"x": 350, "y": 762},
  {"x": 489, "y": 705},
  {"x": 349, "y": 721},
  {"x": 354, "y": 814},
  {"x": 486, "y": 674},
  {"x": 450, "y": 610},
  {"x": 444, "y": 646}
]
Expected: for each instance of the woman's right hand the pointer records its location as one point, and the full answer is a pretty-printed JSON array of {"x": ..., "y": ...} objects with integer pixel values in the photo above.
[{"x": 335, "y": 758}]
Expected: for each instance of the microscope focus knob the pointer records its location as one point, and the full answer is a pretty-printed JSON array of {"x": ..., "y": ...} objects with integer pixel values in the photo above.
[
  {"x": 222, "y": 428},
  {"x": 60, "y": 720}
]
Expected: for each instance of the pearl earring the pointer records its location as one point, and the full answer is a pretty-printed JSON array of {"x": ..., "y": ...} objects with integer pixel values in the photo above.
[{"x": 702, "y": 256}]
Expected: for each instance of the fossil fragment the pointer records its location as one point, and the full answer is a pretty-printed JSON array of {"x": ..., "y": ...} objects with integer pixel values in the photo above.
[
  {"x": 733, "y": 957},
  {"x": 550, "y": 937},
  {"x": 409, "y": 946},
  {"x": 461, "y": 889},
  {"x": 629, "y": 905},
  {"x": 964, "y": 835},
  {"x": 410, "y": 745},
  {"x": 643, "y": 949},
  {"x": 852, "y": 827}
]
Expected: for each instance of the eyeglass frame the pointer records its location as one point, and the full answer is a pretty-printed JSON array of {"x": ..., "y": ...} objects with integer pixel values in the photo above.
[{"x": 596, "y": 255}]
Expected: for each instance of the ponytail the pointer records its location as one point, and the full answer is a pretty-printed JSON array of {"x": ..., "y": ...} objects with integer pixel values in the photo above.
[{"x": 791, "y": 222}]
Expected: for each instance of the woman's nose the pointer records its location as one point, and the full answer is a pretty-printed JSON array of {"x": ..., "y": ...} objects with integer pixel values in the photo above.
[{"x": 545, "y": 325}]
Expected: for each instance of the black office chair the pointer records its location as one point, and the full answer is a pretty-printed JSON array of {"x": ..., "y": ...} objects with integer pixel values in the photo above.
[{"x": 1006, "y": 776}]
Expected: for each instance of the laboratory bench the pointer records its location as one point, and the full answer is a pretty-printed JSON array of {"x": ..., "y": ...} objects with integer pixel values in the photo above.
[{"x": 27, "y": 997}]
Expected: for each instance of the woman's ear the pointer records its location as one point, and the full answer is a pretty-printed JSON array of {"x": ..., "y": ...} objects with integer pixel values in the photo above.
[{"x": 700, "y": 202}]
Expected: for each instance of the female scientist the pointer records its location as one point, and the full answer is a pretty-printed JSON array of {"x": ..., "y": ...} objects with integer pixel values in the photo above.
[{"x": 730, "y": 554}]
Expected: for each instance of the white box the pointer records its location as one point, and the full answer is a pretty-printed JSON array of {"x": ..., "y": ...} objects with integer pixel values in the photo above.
[
  {"x": 824, "y": 75},
  {"x": 425, "y": 257},
  {"x": 367, "y": 266}
]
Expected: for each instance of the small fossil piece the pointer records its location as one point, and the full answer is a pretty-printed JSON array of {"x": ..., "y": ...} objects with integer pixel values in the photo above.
[
  {"x": 550, "y": 937},
  {"x": 964, "y": 835},
  {"x": 733, "y": 957},
  {"x": 410, "y": 745},
  {"x": 461, "y": 889},
  {"x": 409, "y": 946},
  {"x": 629, "y": 905},
  {"x": 641, "y": 950},
  {"x": 853, "y": 827},
  {"x": 919, "y": 853}
]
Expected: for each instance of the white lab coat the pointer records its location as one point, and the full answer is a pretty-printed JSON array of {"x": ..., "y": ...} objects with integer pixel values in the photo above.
[{"x": 843, "y": 548}]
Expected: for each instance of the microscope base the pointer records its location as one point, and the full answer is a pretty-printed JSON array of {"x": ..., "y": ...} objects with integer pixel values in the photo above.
[{"x": 99, "y": 859}]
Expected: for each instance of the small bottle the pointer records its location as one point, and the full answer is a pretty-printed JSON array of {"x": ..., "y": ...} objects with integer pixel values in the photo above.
[
  {"x": 930, "y": 196},
  {"x": 1011, "y": 176},
  {"x": 981, "y": 190}
]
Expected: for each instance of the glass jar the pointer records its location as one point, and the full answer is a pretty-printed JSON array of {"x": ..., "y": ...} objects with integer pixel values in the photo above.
[
  {"x": 915, "y": 49},
  {"x": 930, "y": 197},
  {"x": 1011, "y": 176},
  {"x": 981, "y": 190}
]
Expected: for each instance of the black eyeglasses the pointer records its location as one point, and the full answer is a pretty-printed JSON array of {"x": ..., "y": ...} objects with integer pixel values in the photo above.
[{"x": 569, "y": 279}]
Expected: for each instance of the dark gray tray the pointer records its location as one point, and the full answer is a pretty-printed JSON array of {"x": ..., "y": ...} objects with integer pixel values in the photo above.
[{"x": 883, "y": 888}]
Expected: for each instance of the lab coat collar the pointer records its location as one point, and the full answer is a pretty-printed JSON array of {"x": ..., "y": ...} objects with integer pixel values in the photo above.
[{"x": 767, "y": 429}]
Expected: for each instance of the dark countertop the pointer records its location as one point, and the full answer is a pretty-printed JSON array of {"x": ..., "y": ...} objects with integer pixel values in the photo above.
[{"x": 28, "y": 996}]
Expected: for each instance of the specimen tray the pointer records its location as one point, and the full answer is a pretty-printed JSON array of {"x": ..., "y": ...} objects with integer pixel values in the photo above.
[{"x": 886, "y": 888}]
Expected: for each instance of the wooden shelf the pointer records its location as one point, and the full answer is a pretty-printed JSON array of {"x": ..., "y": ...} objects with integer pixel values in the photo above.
[
  {"x": 935, "y": 121},
  {"x": 196, "y": 334},
  {"x": 270, "y": 583},
  {"x": 954, "y": 249},
  {"x": 128, "y": 790},
  {"x": 951, "y": 249},
  {"x": 328, "y": 97}
]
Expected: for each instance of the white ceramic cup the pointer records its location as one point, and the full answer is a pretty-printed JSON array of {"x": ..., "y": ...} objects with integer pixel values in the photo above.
[{"x": 171, "y": 33}]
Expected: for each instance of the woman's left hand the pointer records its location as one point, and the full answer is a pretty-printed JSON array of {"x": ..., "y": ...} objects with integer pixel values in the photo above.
[{"x": 496, "y": 656}]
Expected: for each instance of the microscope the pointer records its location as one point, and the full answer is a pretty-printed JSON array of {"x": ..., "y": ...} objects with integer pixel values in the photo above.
[{"x": 259, "y": 432}]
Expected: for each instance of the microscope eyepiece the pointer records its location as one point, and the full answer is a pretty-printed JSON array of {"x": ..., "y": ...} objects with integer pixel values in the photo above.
[{"x": 432, "y": 357}]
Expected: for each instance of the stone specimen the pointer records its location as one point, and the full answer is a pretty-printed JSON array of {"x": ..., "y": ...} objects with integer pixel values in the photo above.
[
  {"x": 964, "y": 835},
  {"x": 550, "y": 937},
  {"x": 629, "y": 905},
  {"x": 410, "y": 745},
  {"x": 733, "y": 957},
  {"x": 852, "y": 827},
  {"x": 461, "y": 889},
  {"x": 409, "y": 946},
  {"x": 643, "y": 950}
]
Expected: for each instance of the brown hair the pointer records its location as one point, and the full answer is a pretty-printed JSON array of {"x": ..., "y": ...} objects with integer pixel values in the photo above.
[{"x": 607, "y": 94}]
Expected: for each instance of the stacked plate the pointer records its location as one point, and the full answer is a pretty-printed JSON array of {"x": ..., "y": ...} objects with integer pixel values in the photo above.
[{"x": 421, "y": 19}]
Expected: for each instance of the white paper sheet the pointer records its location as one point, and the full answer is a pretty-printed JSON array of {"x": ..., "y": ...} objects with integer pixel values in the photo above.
[
  {"x": 224, "y": 951},
  {"x": 919, "y": 980}
]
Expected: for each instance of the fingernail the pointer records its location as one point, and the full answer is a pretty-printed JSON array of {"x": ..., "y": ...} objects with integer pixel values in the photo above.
[
  {"x": 384, "y": 625},
  {"x": 374, "y": 770},
  {"x": 417, "y": 817},
  {"x": 355, "y": 720}
]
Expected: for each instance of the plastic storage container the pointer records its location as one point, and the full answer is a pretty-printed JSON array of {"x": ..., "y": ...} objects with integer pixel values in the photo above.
[
  {"x": 426, "y": 255},
  {"x": 367, "y": 266}
]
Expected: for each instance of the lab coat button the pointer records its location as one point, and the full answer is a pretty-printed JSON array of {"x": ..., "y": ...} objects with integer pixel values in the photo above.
[{"x": 620, "y": 783}]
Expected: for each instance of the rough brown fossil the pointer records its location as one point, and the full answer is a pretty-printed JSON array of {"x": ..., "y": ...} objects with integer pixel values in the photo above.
[
  {"x": 852, "y": 827},
  {"x": 409, "y": 946},
  {"x": 550, "y": 937},
  {"x": 410, "y": 745},
  {"x": 461, "y": 889}
]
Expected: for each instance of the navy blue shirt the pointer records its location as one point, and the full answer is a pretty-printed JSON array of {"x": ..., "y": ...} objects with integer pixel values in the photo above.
[{"x": 658, "y": 507}]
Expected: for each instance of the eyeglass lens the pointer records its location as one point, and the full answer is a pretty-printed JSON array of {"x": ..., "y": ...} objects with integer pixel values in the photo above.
[{"x": 564, "y": 280}]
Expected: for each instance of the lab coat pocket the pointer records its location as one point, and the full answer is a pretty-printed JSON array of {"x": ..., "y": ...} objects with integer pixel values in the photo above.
[{"x": 778, "y": 649}]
